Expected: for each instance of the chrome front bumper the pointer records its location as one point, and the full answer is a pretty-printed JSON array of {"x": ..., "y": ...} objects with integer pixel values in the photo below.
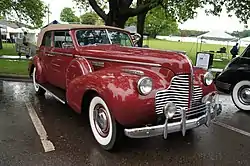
[{"x": 213, "y": 109}]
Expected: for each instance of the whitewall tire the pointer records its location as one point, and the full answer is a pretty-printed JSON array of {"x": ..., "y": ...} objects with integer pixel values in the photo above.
[
  {"x": 103, "y": 125},
  {"x": 241, "y": 95},
  {"x": 38, "y": 89}
]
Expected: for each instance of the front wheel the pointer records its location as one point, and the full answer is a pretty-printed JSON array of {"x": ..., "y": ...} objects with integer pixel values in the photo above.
[
  {"x": 241, "y": 95},
  {"x": 38, "y": 89},
  {"x": 103, "y": 125}
]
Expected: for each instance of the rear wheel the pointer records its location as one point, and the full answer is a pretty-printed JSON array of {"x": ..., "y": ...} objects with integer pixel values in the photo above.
[
  {"x": 103, "y": 125},
  {"x": 38, "y": 89},
  {"x": 241, "y": 95}
]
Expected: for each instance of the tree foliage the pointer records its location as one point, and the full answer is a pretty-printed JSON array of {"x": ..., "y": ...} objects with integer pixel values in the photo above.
[
  {"x": 90, "y": 18},
  {"x": 119, "y": 11},
  {"x": 156, "y": 23},
  {"x": 31, "y": 11},
  {"x": 242, "y": 34},
  {"x": 68, "y": 15},
  {"x": 180, "y": 9},
  {"x": 238, "y": 7}
]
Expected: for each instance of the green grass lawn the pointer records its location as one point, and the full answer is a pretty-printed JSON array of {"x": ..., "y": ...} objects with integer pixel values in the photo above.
[
  {"x": 190, "y": 49},
  {"x": 8, "y": 49},
  {"x": 14, "y": 67},
  {"x": 20, "y": 67}
]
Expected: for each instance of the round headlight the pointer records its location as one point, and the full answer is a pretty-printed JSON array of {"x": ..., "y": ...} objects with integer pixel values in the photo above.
[
  {"x": 169, "y": 110},
  {"x": 145, "y": 85},
  {"x": 208, "y": 78}
]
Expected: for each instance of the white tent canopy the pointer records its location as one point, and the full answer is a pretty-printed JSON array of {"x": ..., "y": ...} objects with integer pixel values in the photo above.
[
  {"x": 217, "y": 35},
  {"x": 221, "y": 37},
  {"x": 246, "y": 39}
]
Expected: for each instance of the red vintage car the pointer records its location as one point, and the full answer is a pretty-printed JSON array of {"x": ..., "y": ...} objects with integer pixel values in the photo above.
[{"x": 139, "y": 92}]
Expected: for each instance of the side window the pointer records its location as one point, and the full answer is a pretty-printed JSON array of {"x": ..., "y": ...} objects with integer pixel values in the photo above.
[
  {"x": 47, "y": 39},
  {"x": 62, "y": 38}
]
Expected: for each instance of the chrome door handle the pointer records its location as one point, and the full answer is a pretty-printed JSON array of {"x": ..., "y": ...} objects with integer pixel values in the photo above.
[{"x": 99, "y": 64}]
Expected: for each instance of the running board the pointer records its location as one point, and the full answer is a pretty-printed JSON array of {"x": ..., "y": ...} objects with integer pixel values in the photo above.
[{"x": 58, "y": 93}]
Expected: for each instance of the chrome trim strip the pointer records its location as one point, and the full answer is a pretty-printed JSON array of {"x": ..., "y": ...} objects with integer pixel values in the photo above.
[
  {"x": 58, "y": 53},
  {"x": 120, "y": 61},
  {"x": 81, "y": 67},
  {"x": 90, "y": 69},
  {"x": 105, "y": 59},
  {"x": 133, "y": 71},
  {"x": 81, "y": 58},
  {"x": 52, "y": 94}
]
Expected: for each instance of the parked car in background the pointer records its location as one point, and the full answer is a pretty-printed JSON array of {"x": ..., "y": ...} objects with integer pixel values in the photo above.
[
  {"x": 235, "y": 80},
  {"x": 139, "y": 92}
]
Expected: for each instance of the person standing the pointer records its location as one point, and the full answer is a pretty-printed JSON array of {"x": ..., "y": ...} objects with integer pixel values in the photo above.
[
  {"x": 235, "y": 50},
  {"x": 26, "y": 42}
]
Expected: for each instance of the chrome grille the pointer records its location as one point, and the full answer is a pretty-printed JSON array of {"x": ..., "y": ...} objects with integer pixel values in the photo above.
[
  {"x": 197, "y": 96},
  {"x": 199, "y": 109},
  {"x": 178, "y": 93}
]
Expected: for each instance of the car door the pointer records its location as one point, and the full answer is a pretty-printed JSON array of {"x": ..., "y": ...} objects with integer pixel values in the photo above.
[
  {"x": 63, "y": 51},
  {"x": 46, "y": 56}
]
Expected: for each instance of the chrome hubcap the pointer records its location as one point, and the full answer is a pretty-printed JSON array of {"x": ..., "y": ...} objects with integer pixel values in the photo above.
[
  {"x": 101, "y": 120},
  {"x": 244, "y": 95}
]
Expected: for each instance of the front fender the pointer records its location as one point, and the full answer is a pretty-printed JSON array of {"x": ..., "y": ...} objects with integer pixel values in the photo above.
[
  {"x": 198, "y": 80},
  {"x": 77, "y": 67},
  {"x": 118, "y": 88},
  {"x": 232, "y": 76}
]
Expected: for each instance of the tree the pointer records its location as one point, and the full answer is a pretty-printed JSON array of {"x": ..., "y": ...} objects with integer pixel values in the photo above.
[
  {"x": 68, "y": 15},
  {"x": 157, "y": 23},
  {"x": 120, "y": 10},
  {"x": 89, "y": 18},
  {"x": 31, "y": 11}
]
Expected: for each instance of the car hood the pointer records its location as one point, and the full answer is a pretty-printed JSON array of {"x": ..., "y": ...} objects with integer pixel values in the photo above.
[{"x": 175, "y": 61}]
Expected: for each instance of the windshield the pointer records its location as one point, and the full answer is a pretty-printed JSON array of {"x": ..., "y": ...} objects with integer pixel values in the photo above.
[
  {"x": 102, "y": 36},
  {"x": 246, "y": 52}
]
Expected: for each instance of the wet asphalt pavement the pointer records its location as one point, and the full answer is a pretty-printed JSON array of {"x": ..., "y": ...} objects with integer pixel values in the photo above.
[{"x": 75, "y": 145}]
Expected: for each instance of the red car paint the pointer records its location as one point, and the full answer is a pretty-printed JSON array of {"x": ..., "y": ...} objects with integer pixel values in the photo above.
[{"x": 103, "y": 69}]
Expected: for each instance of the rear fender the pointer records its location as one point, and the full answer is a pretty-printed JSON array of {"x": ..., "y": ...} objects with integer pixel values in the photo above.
[
  {"x": 118, "y": 88},
  {"x": 39, "y": 70},
  {"x": 77, "y": 67}
]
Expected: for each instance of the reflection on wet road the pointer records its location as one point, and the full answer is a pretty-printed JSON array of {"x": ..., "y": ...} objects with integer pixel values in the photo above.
[{"x": 75, "y": 145}]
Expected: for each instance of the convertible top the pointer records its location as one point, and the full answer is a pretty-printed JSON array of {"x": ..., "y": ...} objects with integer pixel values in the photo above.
[{"x": 53, "y": 27}]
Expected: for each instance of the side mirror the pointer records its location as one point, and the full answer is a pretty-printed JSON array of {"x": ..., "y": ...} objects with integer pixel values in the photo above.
[
  {"x": 67, "y": 45},
  {"x": 136, "y": 37}
]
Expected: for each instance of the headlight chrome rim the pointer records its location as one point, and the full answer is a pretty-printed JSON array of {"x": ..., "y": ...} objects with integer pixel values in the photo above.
[
  {"x": 139, "y": 85},
  {"x": 208, "y": 78}
]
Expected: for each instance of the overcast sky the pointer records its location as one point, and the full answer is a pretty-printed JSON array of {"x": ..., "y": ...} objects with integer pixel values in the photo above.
[{"x": 201, "y": 22}]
